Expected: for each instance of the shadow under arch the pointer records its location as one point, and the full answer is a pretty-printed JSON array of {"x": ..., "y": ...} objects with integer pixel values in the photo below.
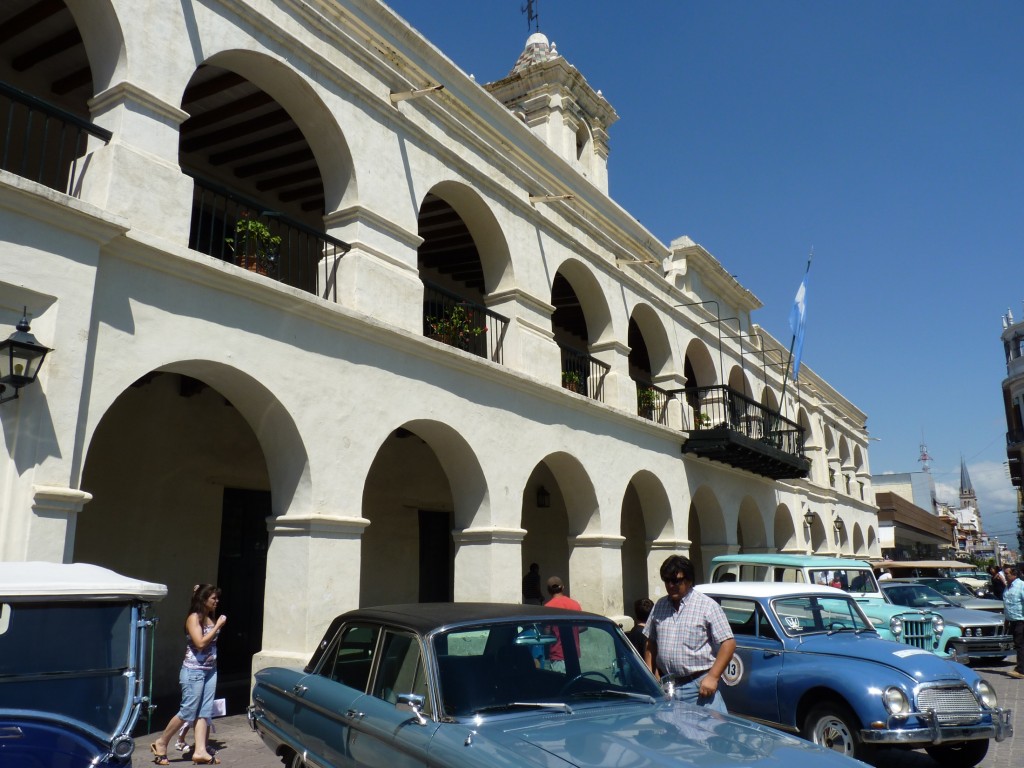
[
  {"x": 646, "y": 517},
  {"x": 593, "y": 304},
  {"x": 318, "y": 125},
  {"x": 751, "y": 535},
  {"x": 101, "y": 33},
  {"x": 655, "y": 338},
  {"x": 706, "y": 529},
  {"x": 784, "y": 531}
]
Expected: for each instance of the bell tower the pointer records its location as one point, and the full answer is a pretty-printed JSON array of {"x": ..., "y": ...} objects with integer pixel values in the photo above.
[{"x": 556, "y": 102}]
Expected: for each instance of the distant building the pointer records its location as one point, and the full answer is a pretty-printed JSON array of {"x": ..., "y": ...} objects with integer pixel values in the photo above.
[{"x": 916, "y": 487}]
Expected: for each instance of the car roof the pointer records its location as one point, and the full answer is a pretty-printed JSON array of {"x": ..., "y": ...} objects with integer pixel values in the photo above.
[
  {"x": 72, "y": 581},
  {"x": 427, "y": 617},
  {"x": 761, "y": 589},
  {"x": 812, "y": 561},
  {"x": 953, "y": 564}
]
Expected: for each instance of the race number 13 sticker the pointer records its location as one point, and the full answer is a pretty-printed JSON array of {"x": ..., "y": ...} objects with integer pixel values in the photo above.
[{"x": 734, "y": 672}]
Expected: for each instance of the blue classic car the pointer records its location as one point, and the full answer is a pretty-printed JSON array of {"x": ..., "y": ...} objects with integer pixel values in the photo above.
[
  {"x": 808, "y": 661},
  {"x": 464, "y": 684},
  {"x": 73, "y": 642}
]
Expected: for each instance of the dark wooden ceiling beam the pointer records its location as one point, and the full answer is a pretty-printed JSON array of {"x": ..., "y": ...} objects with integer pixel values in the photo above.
[
  {"x": 287, "y": 179},
  {"x": 269, "y": 164},
  {"x": 212, "y": 87},
  {"x": 34, "y": 14},
  {"x": 258, "y": 147},
  {"x": 298, "y": 194},
  {"x": 234, "y": 132},
  {"x": 227, "y": 111},
  {"x": 72, "y": 82},
  {"x": 55, "y": 46}
]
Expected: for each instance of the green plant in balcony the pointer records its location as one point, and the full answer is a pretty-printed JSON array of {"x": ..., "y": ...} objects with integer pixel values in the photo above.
[
  {"x": 702, "y": 420},
  {"x": 254, "y": 246},
  {"x": 646, "y": 397},
  {"x": 572, "y": 381},
  {"x": 456, "y": 326}
]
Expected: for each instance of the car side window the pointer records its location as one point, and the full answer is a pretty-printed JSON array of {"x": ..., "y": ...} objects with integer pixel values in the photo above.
[
  {"x": 349, "y": 660},
  {"x": 401, "y": 669}
]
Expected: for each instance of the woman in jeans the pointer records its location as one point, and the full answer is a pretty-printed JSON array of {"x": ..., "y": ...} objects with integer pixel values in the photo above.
[{"x": 198, "y": 675}]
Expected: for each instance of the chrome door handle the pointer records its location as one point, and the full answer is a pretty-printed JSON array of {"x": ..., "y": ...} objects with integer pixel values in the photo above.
[
  {"x": 771, "y": 654},
  {"x": 355, "y": 714},
  {"x": 300, "y": 689}
]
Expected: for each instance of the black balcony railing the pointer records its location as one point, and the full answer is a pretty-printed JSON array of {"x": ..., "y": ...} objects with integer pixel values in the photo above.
[
  {"x": 42, "y": 142},
  {"x": 582, "y": 373},
  {"x": 464, "y": 324},
  {"x": 652, "y": 402},
  {"x": 242, "y": 232},
  {"x": 730, "y": 427},
  {"x": 1014, "y": 437}
]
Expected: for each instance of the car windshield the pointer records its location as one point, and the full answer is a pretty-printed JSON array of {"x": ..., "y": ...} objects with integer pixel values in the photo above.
[
  {"x": 517, "y": 665},
  {"x": 811, "y": 614},
  {"x": 855, "y": 580},
  {"x": 46, "y": 667},
  {"x": 949, "y": 587},
  {"x": 916, "y": 596}
]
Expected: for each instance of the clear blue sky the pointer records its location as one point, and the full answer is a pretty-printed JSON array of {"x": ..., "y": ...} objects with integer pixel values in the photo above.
[{"x": 885, "y": 135}]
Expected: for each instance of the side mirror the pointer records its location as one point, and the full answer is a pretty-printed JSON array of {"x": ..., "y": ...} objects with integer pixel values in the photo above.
[{"x": 413, "y": 704}]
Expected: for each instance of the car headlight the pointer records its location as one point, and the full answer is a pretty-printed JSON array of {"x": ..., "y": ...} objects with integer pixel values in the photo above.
[
  {"x": 987, "y": 694},
  {"x": 938, "y": 624},
  {"x": 896, "y": 626},
  {"x": 968, "y": 632},
  {"x": 895, "y": 701}
]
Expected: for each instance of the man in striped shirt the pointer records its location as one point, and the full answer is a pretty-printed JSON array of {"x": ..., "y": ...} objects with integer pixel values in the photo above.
[{"x": 688, "y": 637}]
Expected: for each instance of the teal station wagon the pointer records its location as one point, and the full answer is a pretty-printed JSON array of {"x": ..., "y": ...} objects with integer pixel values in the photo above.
[{"x": 920, "y": 628}]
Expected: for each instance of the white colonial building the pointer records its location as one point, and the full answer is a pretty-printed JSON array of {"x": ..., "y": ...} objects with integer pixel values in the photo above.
[{"x": 329, "y": 335}]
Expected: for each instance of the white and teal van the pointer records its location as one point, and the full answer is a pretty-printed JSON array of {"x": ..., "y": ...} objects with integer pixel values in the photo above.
[{"x": 919, "y": 628}]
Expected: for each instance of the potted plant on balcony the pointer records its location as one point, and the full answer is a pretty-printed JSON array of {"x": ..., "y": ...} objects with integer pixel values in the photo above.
[
  {"x": 572, "y": 381},
  {"x": 456, "y": 327},
  {"x": 646, "y": 397},
  {"x": 254, "y": 246},
  {"x": 702, "y": 420}
]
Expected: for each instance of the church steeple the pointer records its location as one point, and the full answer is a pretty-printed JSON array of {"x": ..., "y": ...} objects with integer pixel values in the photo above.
[
  {"x": 556, "y": 102},
  {"x": 967, "y": 495}
]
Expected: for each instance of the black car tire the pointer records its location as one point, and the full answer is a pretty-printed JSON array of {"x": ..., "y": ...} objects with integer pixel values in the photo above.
[
  {"x": 965, "y": 754},
  {"x": 293, "y": 760},
  {"x": 831, "y": 724}
]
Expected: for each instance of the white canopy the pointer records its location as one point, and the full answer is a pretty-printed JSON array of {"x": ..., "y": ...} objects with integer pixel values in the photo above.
[{"x": 72, "y": 580}]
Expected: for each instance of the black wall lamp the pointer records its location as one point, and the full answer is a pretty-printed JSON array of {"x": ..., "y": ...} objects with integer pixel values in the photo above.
[
  {"x": 21, "y": 357},
  {"x": 838, "y": 525},
  {"x": 809, "y": 517}
]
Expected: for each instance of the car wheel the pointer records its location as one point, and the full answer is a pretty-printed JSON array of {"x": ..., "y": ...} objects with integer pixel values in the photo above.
[
  {"x": 965, "y": 754},
  {"x": 832, "y": 725},
  {"x": 294, "y": 760}
]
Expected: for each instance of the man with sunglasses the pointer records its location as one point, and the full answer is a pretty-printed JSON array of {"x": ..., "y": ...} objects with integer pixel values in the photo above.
[{"x": 688, "y": 637}]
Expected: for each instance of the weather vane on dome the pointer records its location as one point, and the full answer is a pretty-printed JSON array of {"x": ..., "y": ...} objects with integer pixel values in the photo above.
[{"x": 532, "y": 15}]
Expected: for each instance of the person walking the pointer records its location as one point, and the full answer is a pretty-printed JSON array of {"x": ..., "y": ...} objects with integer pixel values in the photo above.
[
  {"x": 1013, "y": 613},
  {"x": 531, "y": 586},
  {"x": 198, "y": 676},
  {"x": 558, "y": 599},
  {"x": 688, "y": 637}
]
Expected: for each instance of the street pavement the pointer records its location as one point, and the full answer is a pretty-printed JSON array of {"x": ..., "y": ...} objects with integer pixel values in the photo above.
[{"x": 237, "y": 745}]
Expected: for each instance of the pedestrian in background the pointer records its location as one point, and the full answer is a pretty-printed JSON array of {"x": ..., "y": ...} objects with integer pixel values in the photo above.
[
  {"x": 1013, "y": 613},
  {"x": 641, "y": 611},
  {"x": 531, "y": 586},
  {"x": 997, "y": 582},
  {"x": 688, "y": 637},
  {"x": 198, "y": 676},
  {"x": 558, "y": 599}
]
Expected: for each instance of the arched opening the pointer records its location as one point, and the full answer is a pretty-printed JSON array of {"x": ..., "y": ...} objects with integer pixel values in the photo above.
[
  {"x": 646, "y": 517},
  {"x": 646, "y": 361},
  {"x": 784, "y": 531},
  {"x": 699, "y": 370},
  {"x": 182, "y": 495},
  {"x": 706, "y": 531},
  {"x": 580, "y": 318},
  {"x": 750, "y": 531}
]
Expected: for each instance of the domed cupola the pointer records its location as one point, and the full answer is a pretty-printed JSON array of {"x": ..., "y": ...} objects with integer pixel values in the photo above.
[{"x": 556, "y": 102}]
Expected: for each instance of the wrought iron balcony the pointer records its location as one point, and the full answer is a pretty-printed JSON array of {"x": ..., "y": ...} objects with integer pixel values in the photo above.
[
  {"x": 42, "y": 142},
  {"x": 464, "y": 324},
  {"x": 730, "y": 427},
  {"x": 652, "y": 402},
  {"x": 582, "y": 373}
]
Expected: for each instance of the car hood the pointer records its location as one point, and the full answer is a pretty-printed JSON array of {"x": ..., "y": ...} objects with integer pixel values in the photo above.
[
  {"x": 978, "y": 603},
  {"x": 967, "y": 617},
  {"x": 668, "y": 733},
  {"x": 916, "y": 662}
]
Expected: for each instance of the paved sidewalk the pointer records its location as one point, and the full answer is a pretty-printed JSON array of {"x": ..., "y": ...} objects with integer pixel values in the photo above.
[{"x": 237, "y": 745}]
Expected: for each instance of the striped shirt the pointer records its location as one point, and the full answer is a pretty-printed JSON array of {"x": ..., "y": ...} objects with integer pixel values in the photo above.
[{"x": 688, "y": 637}]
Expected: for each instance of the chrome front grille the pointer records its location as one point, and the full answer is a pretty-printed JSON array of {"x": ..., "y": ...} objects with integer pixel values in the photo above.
[
  {"x": 918, "y": 634},
  {"x": 953, "y": 704}
]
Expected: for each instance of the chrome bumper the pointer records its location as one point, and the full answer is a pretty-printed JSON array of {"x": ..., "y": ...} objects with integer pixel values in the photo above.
[{"x": 1000, "y": 728}]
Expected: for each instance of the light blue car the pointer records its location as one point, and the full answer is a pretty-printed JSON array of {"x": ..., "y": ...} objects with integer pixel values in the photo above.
[
  {"x": 808, "y": 661},
  {"x": 463, "y": 684}
]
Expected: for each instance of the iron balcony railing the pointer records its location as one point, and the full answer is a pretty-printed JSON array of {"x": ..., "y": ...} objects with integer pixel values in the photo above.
[
  {"x": 464, "y": 324},
  {"x": 652, "y": 402},
  {"x": 1014, "y": 437},
  {"x": 721, "y": 406},
  {"x": 582, "y": 373},
  {"x": 42, "y": 142},
  {"x": 231, "y": 228}
]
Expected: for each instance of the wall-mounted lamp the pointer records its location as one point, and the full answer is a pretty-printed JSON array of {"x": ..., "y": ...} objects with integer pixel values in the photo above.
[
  {"x": 838, "y": 525},
  {"x": 21, "y": 357},
  {"x": 543, "y": 498},
  {"x": 397, "y": 96},
  {"x": 809, "y": 517}
]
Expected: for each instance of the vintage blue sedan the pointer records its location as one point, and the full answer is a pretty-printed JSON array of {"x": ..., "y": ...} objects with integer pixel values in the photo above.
[
  {"x": 495, "y": 685},
  {"x": 808, "y": 661}
]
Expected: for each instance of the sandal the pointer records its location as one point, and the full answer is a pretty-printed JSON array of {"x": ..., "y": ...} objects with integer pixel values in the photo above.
[
  {"x": 159, "y": 758},
  {"x": 211, "y": 760}
]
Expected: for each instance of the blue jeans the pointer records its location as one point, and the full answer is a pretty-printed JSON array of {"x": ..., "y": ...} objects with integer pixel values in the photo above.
[
  {"x": 198, "y": 687},
  {"x": 690, "y": 693}
]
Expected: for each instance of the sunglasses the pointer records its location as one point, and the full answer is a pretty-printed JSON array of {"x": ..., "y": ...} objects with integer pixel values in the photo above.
[{"x": 675, "y": 582}]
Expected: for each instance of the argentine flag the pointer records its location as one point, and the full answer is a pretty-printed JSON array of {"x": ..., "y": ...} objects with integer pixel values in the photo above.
[{"x": 797, "y": 317}]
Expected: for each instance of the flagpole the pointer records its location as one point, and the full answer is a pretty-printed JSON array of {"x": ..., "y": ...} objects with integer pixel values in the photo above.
[{"x": 792, "y": 341}]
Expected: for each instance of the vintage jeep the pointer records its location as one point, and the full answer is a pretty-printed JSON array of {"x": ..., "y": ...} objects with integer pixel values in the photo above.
[{"x": 73, "y": 642}]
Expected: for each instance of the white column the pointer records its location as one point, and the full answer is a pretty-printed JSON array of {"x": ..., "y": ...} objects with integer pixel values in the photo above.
[
  {"x": 51, "y": 529},
  {"x": 595, "y": 572},
  {"x": 487, "y": 565}
]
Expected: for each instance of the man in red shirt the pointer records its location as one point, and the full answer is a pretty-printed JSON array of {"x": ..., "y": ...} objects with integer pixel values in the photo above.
[{"x": 556, "y": 655}]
